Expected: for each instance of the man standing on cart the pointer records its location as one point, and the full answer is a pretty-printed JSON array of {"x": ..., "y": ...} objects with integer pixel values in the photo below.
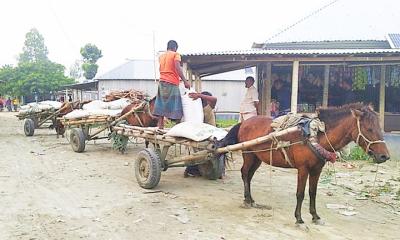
[{"x": 168, "y": 101}]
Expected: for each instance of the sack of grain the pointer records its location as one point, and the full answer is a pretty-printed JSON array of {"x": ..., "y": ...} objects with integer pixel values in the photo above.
[
  {"x": 196, "y": 131},
  {"x": 192, "y": 109},
  {"x": 96, "y": 104},
  {"x": 118, "y": 104},
  {"x": 78, "y": 113},
  {"x": 53, "y": 104}
]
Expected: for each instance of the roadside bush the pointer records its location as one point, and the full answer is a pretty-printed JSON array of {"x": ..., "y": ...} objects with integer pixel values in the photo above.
[{"x": 356, "y": 153}]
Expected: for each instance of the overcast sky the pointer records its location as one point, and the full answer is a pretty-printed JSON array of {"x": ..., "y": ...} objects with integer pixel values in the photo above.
[{"x": 124, "y": 29}]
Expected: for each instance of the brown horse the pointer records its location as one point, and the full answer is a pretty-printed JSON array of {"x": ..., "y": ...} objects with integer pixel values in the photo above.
[
  {"x": 143, "y": 118},
  {"x": 353, "y": 122},
  {"x": 66, "y": 108}
]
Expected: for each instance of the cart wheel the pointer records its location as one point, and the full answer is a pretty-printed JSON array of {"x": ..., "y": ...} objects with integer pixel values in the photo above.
[
  {"x": 148, "y": 168},
  {"x": 77, "y": 139},
  {"x": 213, "y": 169},
  {"x": 29, "y": 127}
]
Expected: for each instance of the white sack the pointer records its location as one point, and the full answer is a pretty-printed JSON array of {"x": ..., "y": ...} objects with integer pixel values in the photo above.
[
  {"x": 78, "y": 113},
  {"x": 105, "y": 112},
  {"x": 96, "y": 104},
  {"x": 118, "y": 104},
  {"x": 196, "y": 131},
  {"x": 54, "y": 104},
  {"x": 192, "y": 109}
]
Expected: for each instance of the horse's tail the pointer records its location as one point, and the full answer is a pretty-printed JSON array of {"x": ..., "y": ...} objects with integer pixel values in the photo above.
[{"x": 231, "y": 137}]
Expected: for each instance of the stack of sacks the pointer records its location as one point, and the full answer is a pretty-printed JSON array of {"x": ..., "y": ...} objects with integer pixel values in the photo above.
[
  {"x": 39, "y": 107},
  {"x": 100, "y": 108}
]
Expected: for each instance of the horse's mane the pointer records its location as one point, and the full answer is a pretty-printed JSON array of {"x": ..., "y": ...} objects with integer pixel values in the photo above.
[{"x": 332, "y": 115}]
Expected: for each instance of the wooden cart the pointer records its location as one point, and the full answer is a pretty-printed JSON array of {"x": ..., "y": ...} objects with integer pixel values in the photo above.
[
  {"x": 81, "y": 128},
  {"x": 36, "y": 120},
  {"x": 150, "y": 162}
]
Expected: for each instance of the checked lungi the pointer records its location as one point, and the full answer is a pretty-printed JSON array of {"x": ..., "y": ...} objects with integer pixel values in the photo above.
[{"x": 168, "y": 101}]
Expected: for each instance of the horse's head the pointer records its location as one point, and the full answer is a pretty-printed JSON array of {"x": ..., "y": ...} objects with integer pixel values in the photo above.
[{"x": 367, "y": 133}]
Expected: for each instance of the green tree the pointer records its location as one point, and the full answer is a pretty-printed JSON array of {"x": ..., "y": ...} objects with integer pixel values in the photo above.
[
  {"x": 90, "y": 53},
  {"x": 40, "y": 77},
  {"x": 34, "y": 49},
  {"x": 89, "y": 70},
  {"x": 35, "y": 73}
]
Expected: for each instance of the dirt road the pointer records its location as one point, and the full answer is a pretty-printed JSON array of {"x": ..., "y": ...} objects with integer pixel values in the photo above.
[{"x": 49, "y": 192}]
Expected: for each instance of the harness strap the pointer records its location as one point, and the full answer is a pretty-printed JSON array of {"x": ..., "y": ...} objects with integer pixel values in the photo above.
[
  {"x": 364, "y": 138},
  {"x": 138, "y": 118}
]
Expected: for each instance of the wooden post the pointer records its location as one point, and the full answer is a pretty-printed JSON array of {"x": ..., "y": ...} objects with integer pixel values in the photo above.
[
  {"x": 188, "y": 73},
  {"x": 326, "y": 87},
  {"x": 295, "y": 86},
  {"x": 197, "y": 82},
  {"x": 261, "y": 88},
  {"x": 267, "y": 89},
  {"x": 382, "y": 97}
]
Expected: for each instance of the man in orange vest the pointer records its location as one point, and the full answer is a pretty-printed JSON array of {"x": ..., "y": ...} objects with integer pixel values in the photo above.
[{"x": 168, "y": 101}]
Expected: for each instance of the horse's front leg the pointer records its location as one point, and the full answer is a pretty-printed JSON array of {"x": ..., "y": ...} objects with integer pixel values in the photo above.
[
  {"x": 302, "y": 176},
  {"x": 248, "y": 160},
  {"x": 312, "y": 188}
]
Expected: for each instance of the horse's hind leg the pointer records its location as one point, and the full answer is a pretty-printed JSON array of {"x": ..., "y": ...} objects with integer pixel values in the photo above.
[
  {"x": 256, "y": 164},
  {"x": 313, "y": 183},
  {"x": 249, "y": 160},
  {"x": 302, "y": 176}
]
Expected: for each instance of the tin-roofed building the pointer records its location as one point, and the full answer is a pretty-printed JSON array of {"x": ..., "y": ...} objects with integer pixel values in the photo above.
[{"x": 315, "y": 72}]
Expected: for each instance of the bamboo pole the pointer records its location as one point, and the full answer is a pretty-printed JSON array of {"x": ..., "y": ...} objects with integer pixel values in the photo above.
[
  {"x": 235, "y": 147},
  {"x": 165, "y": 139},
  {"x": 140, "y": 106},
  {"x": 256, "y": 141},
  {"x": 53, "y": 114}
]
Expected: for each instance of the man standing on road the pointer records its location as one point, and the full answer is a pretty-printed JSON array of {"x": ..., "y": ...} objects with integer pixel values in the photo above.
[
  {"x": 168, "y": 101},
  {"x": 249, "y": 105}
]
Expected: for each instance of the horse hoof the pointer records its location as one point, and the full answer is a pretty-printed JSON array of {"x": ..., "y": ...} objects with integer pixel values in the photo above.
[
  {"x": 246, "y": 205},
  {"x": 319, "y": 222},
  {"x": 261, "y": 206},
  {"x": 303, "y": 227}
]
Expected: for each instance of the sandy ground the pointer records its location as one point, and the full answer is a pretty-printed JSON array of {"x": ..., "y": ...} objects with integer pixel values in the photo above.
[{"x": 47, "y": 191}]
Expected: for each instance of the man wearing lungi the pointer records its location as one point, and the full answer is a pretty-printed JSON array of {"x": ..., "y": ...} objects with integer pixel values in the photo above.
[{"x": 168, "y": 101}]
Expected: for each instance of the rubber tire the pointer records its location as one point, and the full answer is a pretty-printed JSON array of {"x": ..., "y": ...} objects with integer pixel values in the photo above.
[
  {"x": 29, "y": 127},
  {"x": 77, "y": 139},
  {"x": 150, "y": 158},
  {"x": 213, "y": 169}
]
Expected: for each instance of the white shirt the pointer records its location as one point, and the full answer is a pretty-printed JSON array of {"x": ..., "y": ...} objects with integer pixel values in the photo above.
[{"x": 247, "y": 104}]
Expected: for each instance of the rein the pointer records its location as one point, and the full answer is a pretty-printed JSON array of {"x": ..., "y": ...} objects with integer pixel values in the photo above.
[{"x": 360, "y": 134}]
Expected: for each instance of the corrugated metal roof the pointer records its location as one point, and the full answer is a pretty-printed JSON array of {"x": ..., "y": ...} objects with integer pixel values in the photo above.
[
  {"x": 297, "y": 52},
  {"x": 144, "y": 69},
  {"x": 134, "y": 69},
  {"x": 337, "y": 44},
  {"x": 394, "y": 39}
]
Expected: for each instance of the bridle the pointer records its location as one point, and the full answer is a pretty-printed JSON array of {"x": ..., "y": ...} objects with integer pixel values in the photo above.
[{"x": 360, "y": 134}]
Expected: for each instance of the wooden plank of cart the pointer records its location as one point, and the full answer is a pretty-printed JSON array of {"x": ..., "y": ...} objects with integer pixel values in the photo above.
[
  {"x": 150, "y": 162},
  {"x": 81, "y": 127},
  {"x": 36, "y": 120}
]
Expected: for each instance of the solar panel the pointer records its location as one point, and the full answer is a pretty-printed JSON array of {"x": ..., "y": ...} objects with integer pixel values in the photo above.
[{"x": 394, "y": 40}]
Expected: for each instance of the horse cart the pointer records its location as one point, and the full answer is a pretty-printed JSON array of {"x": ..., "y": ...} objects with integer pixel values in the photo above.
[
  {"x": 211, "y": 159},
  {"x": 37, "y": 119},
  {"x": 88, "y": 128}
]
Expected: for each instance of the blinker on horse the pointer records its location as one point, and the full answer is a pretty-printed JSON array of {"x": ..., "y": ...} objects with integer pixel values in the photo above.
[{"x": 354, "y": 122}]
